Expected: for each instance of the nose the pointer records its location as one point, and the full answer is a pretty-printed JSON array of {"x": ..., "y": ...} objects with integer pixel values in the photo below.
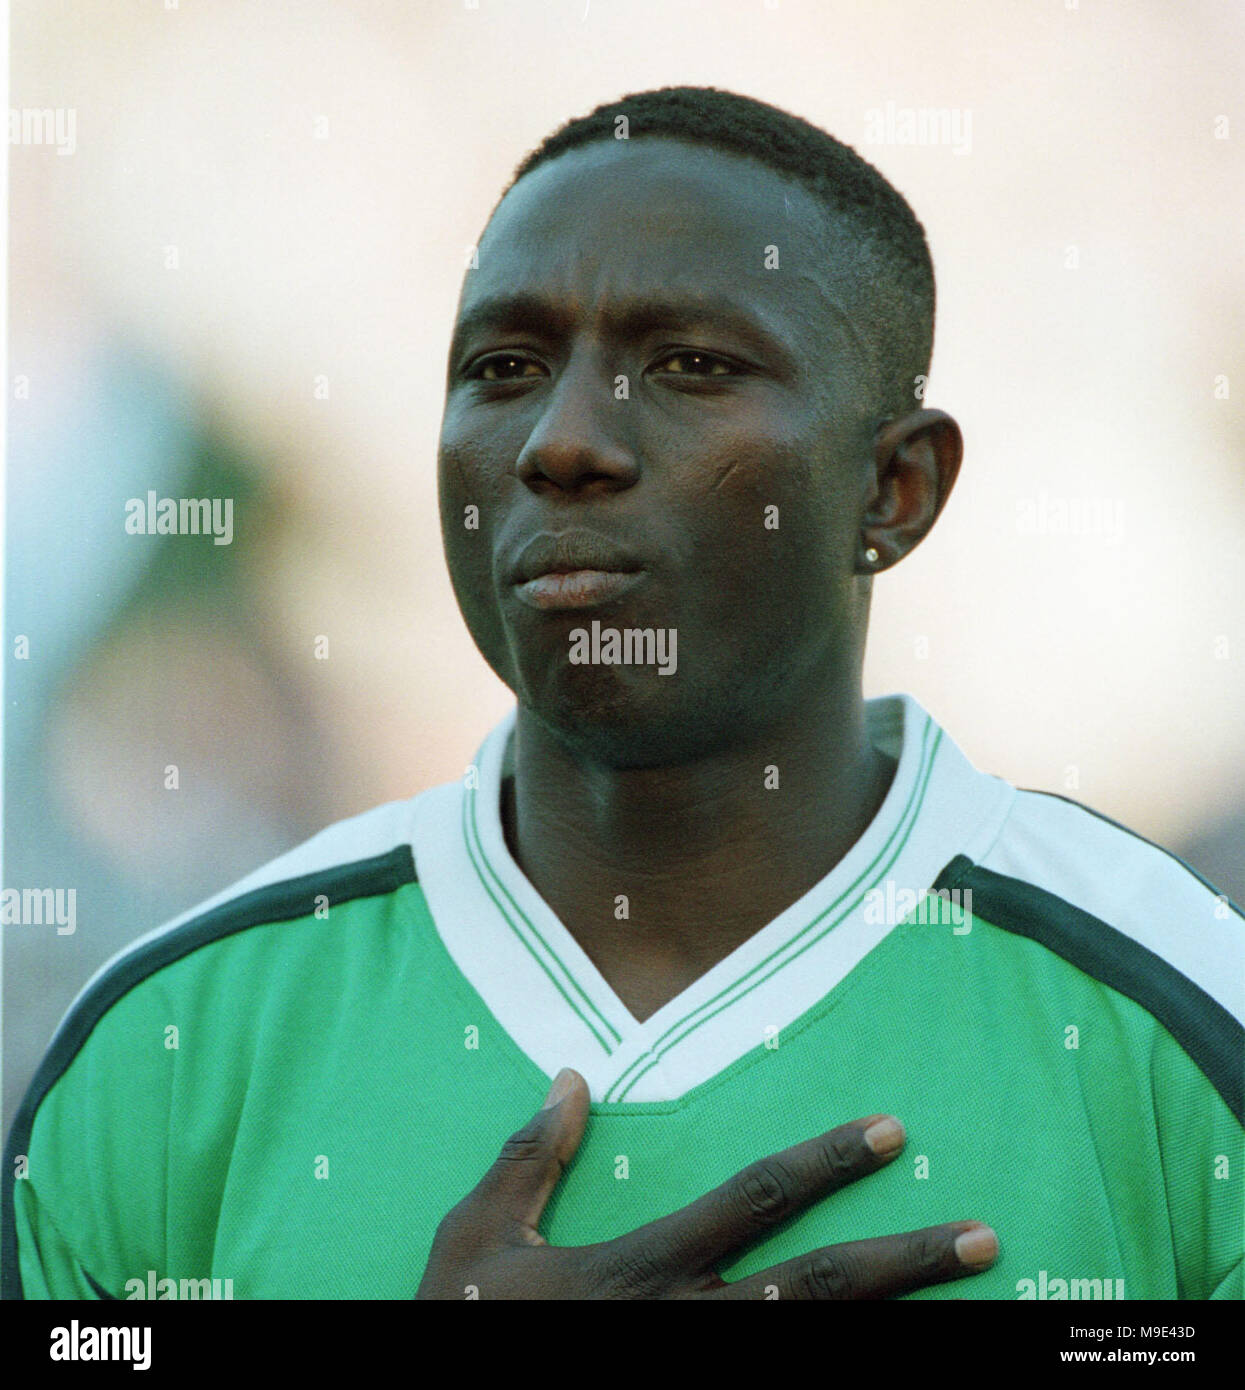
[{"x": 580, "y": 439}]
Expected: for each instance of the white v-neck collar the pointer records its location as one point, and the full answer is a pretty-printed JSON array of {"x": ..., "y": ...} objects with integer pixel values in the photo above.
[{"x": 557, "y": 1007}]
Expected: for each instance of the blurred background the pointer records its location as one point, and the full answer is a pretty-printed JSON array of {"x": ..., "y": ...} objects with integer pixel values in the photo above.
[{"x": 234, "y": 266}]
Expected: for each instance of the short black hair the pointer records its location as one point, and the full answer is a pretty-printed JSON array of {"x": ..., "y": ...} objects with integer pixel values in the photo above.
[{"x": 897, "y": 276}]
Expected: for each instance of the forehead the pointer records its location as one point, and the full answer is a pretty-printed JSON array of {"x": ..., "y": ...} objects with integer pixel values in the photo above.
[{"x": 621, "y": 220}]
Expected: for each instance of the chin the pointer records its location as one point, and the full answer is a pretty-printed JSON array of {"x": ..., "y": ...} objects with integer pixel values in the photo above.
[{"x": 621, "y": 717}]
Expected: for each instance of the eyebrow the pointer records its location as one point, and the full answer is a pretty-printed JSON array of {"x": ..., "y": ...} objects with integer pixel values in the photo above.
[{"x": 628, "y": 318}]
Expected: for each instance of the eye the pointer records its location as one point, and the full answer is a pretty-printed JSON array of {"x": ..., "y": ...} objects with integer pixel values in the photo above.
[
  {"x": 689, "y": 362},
  {"x": 503, "y": 366}
]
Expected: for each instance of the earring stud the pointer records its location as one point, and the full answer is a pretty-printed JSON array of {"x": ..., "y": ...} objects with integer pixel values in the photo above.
[{"x": 871, "y": 556}]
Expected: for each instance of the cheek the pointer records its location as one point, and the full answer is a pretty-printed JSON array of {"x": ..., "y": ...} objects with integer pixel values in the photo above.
[
  {"x": 469, "y": 486},
  {"x": 467, "y": 514},
  {"x": 780, "y": 505},
  {"x": 775, "y": 548},
  {"x": 476, "y": 452}
]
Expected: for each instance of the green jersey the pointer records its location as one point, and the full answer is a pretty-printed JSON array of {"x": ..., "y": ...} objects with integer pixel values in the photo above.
[{"x": 285, "y": 1090}]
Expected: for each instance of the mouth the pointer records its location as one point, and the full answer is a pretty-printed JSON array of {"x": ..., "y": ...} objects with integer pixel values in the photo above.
[
  {"x": 576, "y": 588},
  {"x": 574, "y": 569}
]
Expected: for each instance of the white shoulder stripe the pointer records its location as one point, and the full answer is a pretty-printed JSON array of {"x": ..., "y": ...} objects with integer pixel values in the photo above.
[
  {"x": 1131, "y": 885},
  {"x": 359, "y": 837}
]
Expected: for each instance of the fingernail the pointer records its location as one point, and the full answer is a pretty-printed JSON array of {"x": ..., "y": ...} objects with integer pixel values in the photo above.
[
  {"x": 885, "y": 1136},
  {"x": 977, "y": 1248},
  {"x": 562, "y": 1083}
]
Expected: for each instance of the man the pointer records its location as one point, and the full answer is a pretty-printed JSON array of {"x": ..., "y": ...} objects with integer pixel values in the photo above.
[{"x": 691, "y": 875}]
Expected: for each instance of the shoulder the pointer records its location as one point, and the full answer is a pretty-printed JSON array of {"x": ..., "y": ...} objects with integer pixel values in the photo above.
[
  {"x": 103, "y": 1075},
  {"x": 1126, "y": 912},
  {"x": 1065, "y": 850},
  {"x": 354, "y": 859},
  {"x": 358, "y": 857}
]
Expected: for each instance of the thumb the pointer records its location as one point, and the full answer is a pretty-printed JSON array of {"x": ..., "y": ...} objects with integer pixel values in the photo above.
[{"x": 517, "y": 1187}]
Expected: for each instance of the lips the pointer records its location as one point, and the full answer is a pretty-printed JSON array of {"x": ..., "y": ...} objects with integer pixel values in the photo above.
[
  {"x": 573, "y": 569},
  {"x": 569, "y": 551}
]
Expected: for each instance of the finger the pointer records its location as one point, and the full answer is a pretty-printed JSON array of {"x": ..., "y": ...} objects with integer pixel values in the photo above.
[
  {"x": 759, "y": 1197},
  {"x": 882, "y": 1268},
  {"x": 510, "y": 1199}
]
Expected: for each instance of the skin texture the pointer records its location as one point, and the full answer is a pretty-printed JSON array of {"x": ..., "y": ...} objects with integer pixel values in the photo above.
[
  {"x": 747, "y": 388},
  {"x": 642, "y": 265}
]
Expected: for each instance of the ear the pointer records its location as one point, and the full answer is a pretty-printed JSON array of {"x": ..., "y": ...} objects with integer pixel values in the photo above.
[{"x": 916, "y": 461}]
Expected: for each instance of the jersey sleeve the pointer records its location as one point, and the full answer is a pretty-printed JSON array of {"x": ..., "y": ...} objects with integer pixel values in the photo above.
[
  {"x": 50, "y": 1268},
  {"x": 1232, "y": 1288},
  {"x": 87, "y": 1212},
  {"x": 1202, "y": 1145}
]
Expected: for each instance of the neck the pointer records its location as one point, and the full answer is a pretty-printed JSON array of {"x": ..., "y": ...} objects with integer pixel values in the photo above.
[{"x": 659, "y": 873}]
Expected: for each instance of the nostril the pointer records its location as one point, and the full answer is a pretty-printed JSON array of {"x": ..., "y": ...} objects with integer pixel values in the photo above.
[{"x": 572, "y": 467}]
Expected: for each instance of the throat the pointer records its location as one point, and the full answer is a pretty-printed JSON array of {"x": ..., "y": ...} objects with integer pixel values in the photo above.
[
  {"x": 645, "y": 973},
  {"x": 649, "y": 938},
  {"x": 655, "y": 910},
  {"x": 642, "y": 997}
]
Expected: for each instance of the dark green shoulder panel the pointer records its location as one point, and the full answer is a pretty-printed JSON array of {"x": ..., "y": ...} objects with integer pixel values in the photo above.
[
  {"x": 284, "y": 901},
  {"x": 1210, "y": 1035}
]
